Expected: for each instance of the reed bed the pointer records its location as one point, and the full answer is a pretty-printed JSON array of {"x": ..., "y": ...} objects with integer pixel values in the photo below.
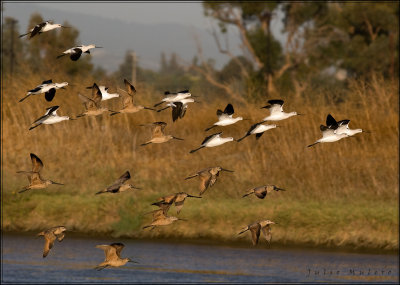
[{"x": 338, "y": 194}]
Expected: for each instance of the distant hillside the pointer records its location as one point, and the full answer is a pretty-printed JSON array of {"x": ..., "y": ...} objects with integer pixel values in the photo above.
[{"x": 116, "y": 36}]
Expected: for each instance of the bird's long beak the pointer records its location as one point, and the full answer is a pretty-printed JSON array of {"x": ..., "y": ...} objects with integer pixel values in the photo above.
[
  {"x": 246, "y": 119},
  {"x": 264, "y": 107},
  {"x": 99, "y": 47},
  {"x": 134, "y": 187},
  {"x": 368, "y": 132},
  {"x": 178, "y": 138},
  {"x": 182, "y": 219},
  {"x": 280, "y": 189},
  {"x": 133, "y": 261},
  {"x": 56, "y": 183},
  {"x": 147, "y": 108},
  {"x": 194, "y": 196},
  {"x": 65, "y": 27},
  {"x": 300, "y": 114},
  {"x": 223, "y": 169}
]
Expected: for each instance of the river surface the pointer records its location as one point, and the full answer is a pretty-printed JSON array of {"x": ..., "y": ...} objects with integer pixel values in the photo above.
[{"x": 74, "y": 259}]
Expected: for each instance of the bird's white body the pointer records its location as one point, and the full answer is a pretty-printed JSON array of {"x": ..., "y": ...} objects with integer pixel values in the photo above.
[
  {"x": 81, "y": 47},
  {"x": 176, "y": 97},
  {"x": 53, "y": 118},
  {"x": 43, "y": 88},
  {"x": 331, "y": 138},
  {"x": 344, "y": 129},
  {"x": 227, "y": 120},
  {"x": 216, "y": 141},
  {"x": 105, "y": 95},
  {"x": 276, "y": 111},
  {"x": 50, "y": 117},
  {"x": 49, "y": 27},
  {"x": 262, "y": 128},
  {"x": 183, "y": 101},
  {"x": 329, "y": 135},
  {"x": 279, "y": 115}
]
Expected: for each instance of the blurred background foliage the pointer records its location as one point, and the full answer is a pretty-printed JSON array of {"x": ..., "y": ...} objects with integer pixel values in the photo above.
[{"x": 326, "y": 44}]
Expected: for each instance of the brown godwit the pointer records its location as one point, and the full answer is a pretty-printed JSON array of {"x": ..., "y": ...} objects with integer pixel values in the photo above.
[
  {"x": 158, "y": 135},
  {"x": 129, "y": 101},
  {"x": 119, "y": 185},
  {"x": 50, "y": 236},
  {"x": 208, "y": 177},
  {"x": 177, "y": 198},
  {"x": 35, "y": 180},
  {"x": 262, "y": 191},
  {"x": 255, "y": 229},
  {"x": 113, "y": 256},
  {"x": 160, "y": 218},
  {"x": 93, "y": 105},
  {"x": 178, "y": 108}
]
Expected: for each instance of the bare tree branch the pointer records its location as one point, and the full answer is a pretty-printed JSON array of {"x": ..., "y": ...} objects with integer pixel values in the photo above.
[
  {"x": 229, "y": 53},
  {"x": 207, "y": 72},
  {"x": 370, "y": 28}
]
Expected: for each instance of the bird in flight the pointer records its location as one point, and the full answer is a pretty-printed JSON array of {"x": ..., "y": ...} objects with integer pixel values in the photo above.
[{"x": 41, "y": 28}]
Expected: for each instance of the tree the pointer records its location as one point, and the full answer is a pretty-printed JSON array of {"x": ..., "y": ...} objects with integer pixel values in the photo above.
[
  {"x": 253, "y": 23},
  {"x": 12, "y": 47}
]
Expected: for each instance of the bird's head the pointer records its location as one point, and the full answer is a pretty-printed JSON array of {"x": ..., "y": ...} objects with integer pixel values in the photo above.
[{"x": 61, "y": 85}]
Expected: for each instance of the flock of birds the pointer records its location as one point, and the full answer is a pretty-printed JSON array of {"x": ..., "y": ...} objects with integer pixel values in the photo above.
[{"x": 178, "y": 102}]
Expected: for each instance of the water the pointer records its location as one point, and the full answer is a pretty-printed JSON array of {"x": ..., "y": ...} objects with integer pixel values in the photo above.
[{"x": 73, "y": 260}]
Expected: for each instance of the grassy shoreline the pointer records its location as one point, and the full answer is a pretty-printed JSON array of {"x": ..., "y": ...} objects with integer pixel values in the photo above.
[
  {"x": 336, "y": 224},
  {"x": 219, "y": 243}
]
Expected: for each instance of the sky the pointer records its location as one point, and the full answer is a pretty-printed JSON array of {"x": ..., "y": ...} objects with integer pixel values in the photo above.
[
  {"x": 149, "y": 28},
  {"x": 142, "y": 12}
]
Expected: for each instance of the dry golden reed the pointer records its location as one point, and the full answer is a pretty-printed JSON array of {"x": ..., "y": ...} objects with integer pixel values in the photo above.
[{"x": 338, "y": 194}]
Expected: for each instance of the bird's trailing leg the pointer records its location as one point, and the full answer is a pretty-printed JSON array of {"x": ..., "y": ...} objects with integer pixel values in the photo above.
[
  {"x": 31, "y": 128},
  {"x": 194, "y": 150}
]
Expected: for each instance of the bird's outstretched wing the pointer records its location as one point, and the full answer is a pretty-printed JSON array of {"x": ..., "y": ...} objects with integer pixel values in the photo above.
[
  {"x": 115, "y": 186},
  {"x": 158, "y": 129},
  {"x": 76, "y": 54},
  {"x": 37, "y": 164}
]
